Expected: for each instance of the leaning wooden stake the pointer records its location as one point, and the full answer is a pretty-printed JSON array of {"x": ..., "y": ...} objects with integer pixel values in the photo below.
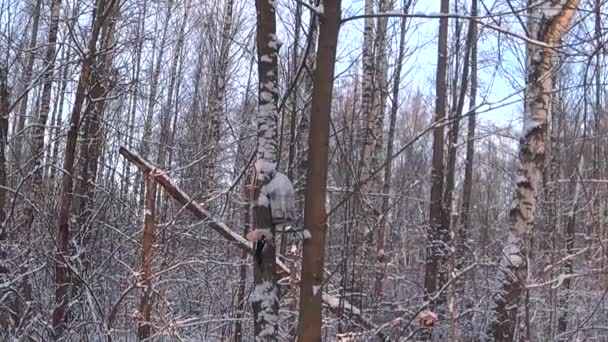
[
  {"x": 145, "y": 306},
  {"x": 220, "y": 227}
]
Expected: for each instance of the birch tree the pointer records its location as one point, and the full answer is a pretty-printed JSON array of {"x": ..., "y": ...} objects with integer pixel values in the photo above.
[
  {"x": 554, "y": 22},
  {"x": 264, "y": 298}
]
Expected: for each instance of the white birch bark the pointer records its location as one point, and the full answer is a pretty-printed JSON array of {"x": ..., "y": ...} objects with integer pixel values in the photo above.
[{"x": 554, "y": 21}]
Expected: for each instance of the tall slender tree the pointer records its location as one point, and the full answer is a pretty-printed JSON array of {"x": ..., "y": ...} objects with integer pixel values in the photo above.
[
  {"x": 62, "y": 267},
  {"x": 264, "y": 299},
  {"x": 555, "y": 21},
  {"x": 315, "y": 215},
  {"x": 437, "y": 235}
]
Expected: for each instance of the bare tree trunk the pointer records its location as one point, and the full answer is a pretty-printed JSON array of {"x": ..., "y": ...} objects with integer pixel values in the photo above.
[
  {"x": 564, "y": 302},
  {"x": 368, "y": 122},
  {"x": 467, "y": 187},
  {"x": 40, "y": 127},
  {"x": 451, "y": 167},
  {"x": 598, "y": 144},
  {"x": 149, "y": 120},
  {"x": 218, "y": 93},
  {"x": 9, "y": 318},
  {"x": 315, "y": 216},
  {"x": 102, "y": 83},
  {"x": 514, "y": 268},
  {"x": 304, "y": 124},
  {"x": 135, "y": 91},
  {"x": 62, "y": 280},
  {"x": 4, "y": 113},
  {"x": 166, "y": 111},
  {"x": 264, "y": 299},
  {"x": 437, "y": 236},
  {"x": 59, "y": 117},
  {"x": 462, "y": 246},
  {"x": 380, "y": 244},
  {"x": 240, "y": 306},
  {"x": 27, "y": 79},
  {"x": 145, "y": 306}
]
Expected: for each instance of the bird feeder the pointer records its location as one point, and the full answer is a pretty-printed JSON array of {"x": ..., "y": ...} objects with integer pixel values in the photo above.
[
  {"x": 427, "y": 319},
  {"x": 281, "y": 197}
]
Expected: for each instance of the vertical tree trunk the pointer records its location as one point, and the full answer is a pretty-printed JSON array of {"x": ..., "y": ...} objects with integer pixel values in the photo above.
[
  {"x": 462, "y": 247},
  {"x": 380, "y": 247},
  {"x": 598, "y": 144},
  {"x": 166, "y": 110},
  {"x": 437, "y": 236},
  {"x": 59, "y": 117},
  {"x": 65, "y": 200},
  {"x": 315, "y": 216},
  {"x": 218, "y": 93},
  {"x": 467, "y": 188},
  {"x": 514, "y": 268},
  {"x": 240, "y": 306},
  {"x": 264, "y": 299},
  {"x": 149, "y": 120},
  {"x": 304, "y": 124},
  {"x": 368, "y": 125},
  {"x": 294, "y": 97},
  {"x": 4, "y": 113},
  {"x": 448, "y": 196},
  {"x": 6, "y": 318},
  {"x": 135, "y": 91},
  {"x": 27, "y": 79},
  {"x": 39, "y": 128},
  {"x": 145, "y": 306},
  {"x": 564, "y": 302},
  {"x": 102, "y": 84}
]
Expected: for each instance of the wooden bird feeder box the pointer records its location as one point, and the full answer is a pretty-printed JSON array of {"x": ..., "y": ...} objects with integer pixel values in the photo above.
[
  {"x": 281, "y": 197},
  {"x": 427, "y": 319}
]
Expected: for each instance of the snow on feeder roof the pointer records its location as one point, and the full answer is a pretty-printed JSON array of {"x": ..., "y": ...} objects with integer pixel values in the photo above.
[
  {"x": 427, "y": 319},
  {"x": 281, "y": 198}
]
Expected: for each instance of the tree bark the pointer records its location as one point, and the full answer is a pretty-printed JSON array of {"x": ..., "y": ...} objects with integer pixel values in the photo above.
[
  {"x": 166, "y": 109},
  {"x": 4, "y": 113},
  {"x": 315, "y": 215},
  {"x": 27, "y": 79},
  {"x": 448, "y": 196},
  {"x": 264, "y": 299},
  {"x": 6, "y": 318},
  {"x": 437, "y": 236},
  {"x": 462, "y": 229},
  {"x": 59, "y": 117},
  {"x": 135, "y": 91},
  {"x": 101, "y": 85},
  {"x": 514, "y": 268},
  {"x": 40, "y": 127},
  {"x": 145, "y": 307},
  {"x": 388, "y": 174},
  {"x": 221, "y": 63},
  {"x": 65, "y": 201},
  {"x": 564, "y": 302},
  {"x": 149, "y": 120}
]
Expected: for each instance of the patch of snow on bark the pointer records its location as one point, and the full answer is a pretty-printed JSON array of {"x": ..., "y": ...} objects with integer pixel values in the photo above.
[
  {"x": 266, "y": 295},
  {"x": 307, "y": 234}
]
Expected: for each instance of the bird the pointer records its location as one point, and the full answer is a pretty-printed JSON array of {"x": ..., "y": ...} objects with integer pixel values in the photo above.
[{"x": 260, "y": 245}]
